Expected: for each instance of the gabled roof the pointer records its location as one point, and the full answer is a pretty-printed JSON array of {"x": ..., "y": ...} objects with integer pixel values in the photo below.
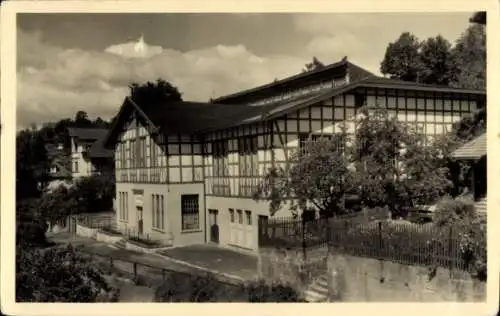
[
  {"x": 197, "y": 118},
  {"x": 97, "y": 136},
  {"x": 97, "y": 150},
  {"x": 369, "y": 82},
  {"x": 87, "y": 133},
  {"x": 356, "y": 73},
  {"x": 189, "y": 118},
  {"x": 474, "y": 149}
]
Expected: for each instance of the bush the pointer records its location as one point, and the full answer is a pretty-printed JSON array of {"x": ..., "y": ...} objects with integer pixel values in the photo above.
[
  {"x": 59, "y": 275},
  {"x": 451, "y": 211},
  {"x": 188, "y": 288},
  {"x": 31, "y": 226},
  {"x": 261, "y": 292}
]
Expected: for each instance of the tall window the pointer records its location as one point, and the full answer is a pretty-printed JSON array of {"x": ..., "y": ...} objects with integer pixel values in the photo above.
[
  {"x": 142, "y": 152},
  {"x": 249, "y": 218},
  {"x": 248, "y": 156},
  {"x": 240, "y": 216},
  {"x": 153, "y": 154},
  {"x": 123, "y": 205},
  {"x": 340, "y": 142},
  {"x": 122, "y": 155},
  {"x": 231, "y": 215},
  {"x": 75, "y": 169},
  {"x": 220, "y": 158},
  {"x": 303, "y": 141},
  {"x": 190, "y": 212},
  {"x": 158, "y": 211},
  {"x": 132, "y": 153}
]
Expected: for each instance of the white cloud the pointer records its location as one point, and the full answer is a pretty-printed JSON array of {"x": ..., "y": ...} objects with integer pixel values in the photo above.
[
  {"x": 55, "y": 83},
  {"x": 135, "y": 49}
]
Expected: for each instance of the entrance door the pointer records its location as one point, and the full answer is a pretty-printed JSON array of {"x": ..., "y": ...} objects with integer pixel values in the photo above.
[
  {"x": 140, "y": 224},
  {"x": 214, "y": 226},
  {"x": 249, "y": 230}
]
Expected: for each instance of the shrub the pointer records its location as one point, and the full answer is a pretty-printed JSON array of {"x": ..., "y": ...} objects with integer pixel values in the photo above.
[
  {"x": 451, "y": 211},
  {"x": 58, "y": 275},
  {"x": 188, "y": 288},
  {"x": 260, "y": 291}
]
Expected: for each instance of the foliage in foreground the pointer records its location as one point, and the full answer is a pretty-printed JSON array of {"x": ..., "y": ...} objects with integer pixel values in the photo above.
[
  {"x": 459, "y": 216},
  {"x": 261, "y": 292},
  {"x": 30, "y": 226},
  {"x": 187, "y": 288},
  {"x": 59, "y": 275},
  {"x": 206, "y": 288}
]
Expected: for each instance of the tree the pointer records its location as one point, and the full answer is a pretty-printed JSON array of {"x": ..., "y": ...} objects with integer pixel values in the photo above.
[
  {"x": 469, "y": 55},
  {"x": 58, "y": 275},
  {"x": 82, "y": 120},
  {"x": 393, "y": 165},
  {"x": 30, "y": 224},
  {"x": 478, "y": 17},
  {"x": 318, "y": 179},
  {"x": 92, "y": 194},
  {"x": 436, "y": 61},
  {"x": 313, "y": 65},
  {"x": 31, "y": 164},
  {"x": 150, "y": 93},
  {"x": 386, "y": 164},
  {"x": 401, "y": 60},
  {"x": 57, "y": 205}
]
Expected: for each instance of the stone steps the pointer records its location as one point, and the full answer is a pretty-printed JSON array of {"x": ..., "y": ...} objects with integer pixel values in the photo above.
[
  {"x": 481, "y": 206},
  {"x": 317, "y": 292}
]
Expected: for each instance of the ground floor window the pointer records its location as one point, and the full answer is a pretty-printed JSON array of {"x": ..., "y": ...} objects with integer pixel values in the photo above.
[
  {"x": 158, "y": 211},
  {"x": 190, "y": 212},
  {"x": 249, "y": 217},
  {"x": 123, "y": 205}
]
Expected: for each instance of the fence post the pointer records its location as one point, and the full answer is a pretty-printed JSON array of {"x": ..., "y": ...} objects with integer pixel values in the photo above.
[
  {"x": 111, "y": 262},
  {"x": 450, "y": 247},
  {"x": 304, "y": 238},
  {"x": 135, "y": 269},
  {"x": 380, "y": 235}
]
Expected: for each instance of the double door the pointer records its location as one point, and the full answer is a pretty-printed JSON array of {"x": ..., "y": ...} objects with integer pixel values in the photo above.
[{"x": 241, "y": 228}]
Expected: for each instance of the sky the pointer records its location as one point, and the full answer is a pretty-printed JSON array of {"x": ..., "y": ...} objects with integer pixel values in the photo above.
[{"x": 71, "y": 62}]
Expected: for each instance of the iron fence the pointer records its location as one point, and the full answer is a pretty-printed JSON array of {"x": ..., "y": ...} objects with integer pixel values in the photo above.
[{"x": 450, "y": 247}]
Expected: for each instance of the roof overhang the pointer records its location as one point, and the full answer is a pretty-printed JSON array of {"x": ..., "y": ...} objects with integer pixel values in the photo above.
[
  {"x": 128, "y": 106},
  {"x": 472, "y": 150}
]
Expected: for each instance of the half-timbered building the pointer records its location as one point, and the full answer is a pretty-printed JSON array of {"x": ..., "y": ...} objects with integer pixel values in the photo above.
[
  {"x": 88, "y": 154},
  {"x": 186, "y": 171}
]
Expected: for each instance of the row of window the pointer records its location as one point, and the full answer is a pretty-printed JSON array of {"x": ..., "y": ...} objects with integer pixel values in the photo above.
[
  {"x": 248, "y": 217},
  {"x": 190, "y": 212}
]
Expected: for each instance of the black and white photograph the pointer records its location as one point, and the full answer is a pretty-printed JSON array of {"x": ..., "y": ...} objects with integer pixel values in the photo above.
[{"x": 250, "y": 157}]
